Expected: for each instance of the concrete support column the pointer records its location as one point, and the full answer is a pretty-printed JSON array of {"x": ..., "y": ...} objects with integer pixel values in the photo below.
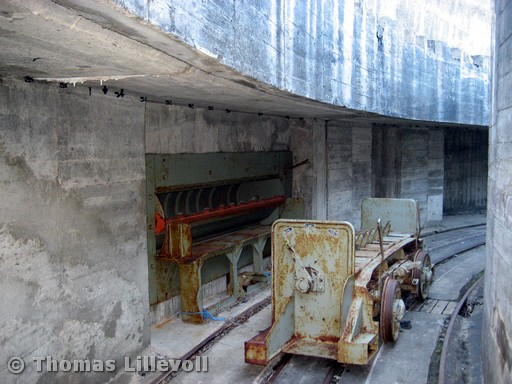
[
  {"x": 320, "y": 193},
  {"x": 465, "y": 179},
  {"x": 348, "y": 169},
  {"x": 497, "y": 327},
  {"x": 308, "y": 141},
  {"x": 414, "y": 167},
  {"x": 408, "y": 162},
  {"x": 435, "y": 175}
]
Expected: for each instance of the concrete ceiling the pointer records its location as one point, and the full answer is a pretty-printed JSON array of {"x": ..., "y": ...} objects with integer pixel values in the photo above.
[{"x": 92, "y": 43}]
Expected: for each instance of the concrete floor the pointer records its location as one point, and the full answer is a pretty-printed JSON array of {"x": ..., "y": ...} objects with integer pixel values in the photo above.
[
  {"x": 457, "y": 272},
  {"x": 226, "y": 358},
  {"x": 407, "y": 360}
]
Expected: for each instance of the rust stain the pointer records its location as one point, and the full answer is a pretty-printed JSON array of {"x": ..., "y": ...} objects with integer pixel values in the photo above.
[
  {"x": 190, "y": 286},
  {"x": 255, "y": 349},
  {"x": 327, "y": 338}
]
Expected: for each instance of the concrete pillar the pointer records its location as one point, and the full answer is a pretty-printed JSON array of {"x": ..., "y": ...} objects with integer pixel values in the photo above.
[
  {"x": 320, "y": 172},
  {"x": 348, "y": 169},
  {"x": 386, "y": 160},
  {"x": 497, "y": 327},
  {"x": 310, "y": 180},
  {"x": 465, "y": 182},
  {"x": 414, "y": 167},
  {"x": 408, "y": 162},
  {"x": 435, "y": 175}
]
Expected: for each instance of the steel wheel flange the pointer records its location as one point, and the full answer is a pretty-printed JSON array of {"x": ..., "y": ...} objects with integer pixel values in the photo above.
[
  {"x": 392, "y": 310},
  {"x": 423, "y": 274}
]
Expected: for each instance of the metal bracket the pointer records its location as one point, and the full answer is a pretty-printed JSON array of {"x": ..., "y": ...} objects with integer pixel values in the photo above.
[
  {"x": 307, "y": 279},
  {"x": 318, "y": 281}
]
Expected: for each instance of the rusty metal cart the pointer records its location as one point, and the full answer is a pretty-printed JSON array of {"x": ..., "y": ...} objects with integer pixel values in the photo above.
[{"x": 337, "y": 294}]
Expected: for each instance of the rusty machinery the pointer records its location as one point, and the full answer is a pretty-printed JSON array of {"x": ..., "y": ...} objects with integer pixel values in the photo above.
[
  {"x": 209, "y": 215},
  {"x": 336, "y": 293}
]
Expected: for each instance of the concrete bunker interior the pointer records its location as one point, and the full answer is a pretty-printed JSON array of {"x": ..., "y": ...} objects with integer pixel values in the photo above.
[{"x": 70, "y": 147}]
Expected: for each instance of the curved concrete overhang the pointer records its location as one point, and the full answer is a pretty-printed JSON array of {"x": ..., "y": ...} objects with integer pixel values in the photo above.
[{"x": 138, "y": 49}]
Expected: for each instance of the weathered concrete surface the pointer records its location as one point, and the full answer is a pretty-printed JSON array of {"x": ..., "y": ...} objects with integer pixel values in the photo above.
[
  {"x": 349, "y": 170},
  {"x": 408, "y": 162},
  {"x": 93, "y": 43},
  {"x": 465, "y": 181},
  {"x": 389, "y": 366},
  {"x": 73, "y": 269},
  {"x": 431, "y": 56},
  {"x": 423, "y": 62},
  {"x": 457, "y": 272},
  {"x": 497, "y": 327},
  {"x": 174, "y": 129},
  {"x": 308, "y": 142}
]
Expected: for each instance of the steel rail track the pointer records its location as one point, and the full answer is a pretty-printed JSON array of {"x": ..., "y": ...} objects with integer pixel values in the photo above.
[
  {"x": 449, "y": 330},
  {"x": 206, "y": 344}
]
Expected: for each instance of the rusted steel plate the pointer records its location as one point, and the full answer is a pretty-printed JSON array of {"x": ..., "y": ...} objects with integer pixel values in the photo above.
[
  {"x": 366, "y": 254},
  {"x": 191, "y": 297},
  {"x": 180, "y": 252},
  {"x": 402, "y": 213},
  {"x": 256, "y": 350},
  {"x": 366, "y": 273},
  {"x": 310, "y": 263},
  {"x": 329, "y": 248},
  {"x": 324, "y": 348}
]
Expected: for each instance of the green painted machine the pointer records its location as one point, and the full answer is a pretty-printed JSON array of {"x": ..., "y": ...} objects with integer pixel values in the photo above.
[{"x": 209, "y": 216}]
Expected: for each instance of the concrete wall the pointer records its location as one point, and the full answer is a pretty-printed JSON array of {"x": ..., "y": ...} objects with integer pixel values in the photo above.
[
  {"x": 176, "y": 129},
  {"x": 73, "y": 270},
  {"x": 497, "y": 327},
  {"x": 465, "y": 182},
  {"x": 425, "y": 60},
  {"x": 408, "y": 162},
  {"x": 308, "y": 142},
  {"x": 348, "y": 170}
]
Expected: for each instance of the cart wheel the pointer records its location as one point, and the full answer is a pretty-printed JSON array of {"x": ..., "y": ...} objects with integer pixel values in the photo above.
[
  {"x": 424, "y": 275},
  {"x": 392, "y": 310}
]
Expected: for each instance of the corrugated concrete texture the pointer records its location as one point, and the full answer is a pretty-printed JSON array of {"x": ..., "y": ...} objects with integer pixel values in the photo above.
[
  {"x": 465, "y": 182},
  {"x": 426, "y": 61},
  {"x": 408, "y": 162},
  {"x": 497, "y": 327}
]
